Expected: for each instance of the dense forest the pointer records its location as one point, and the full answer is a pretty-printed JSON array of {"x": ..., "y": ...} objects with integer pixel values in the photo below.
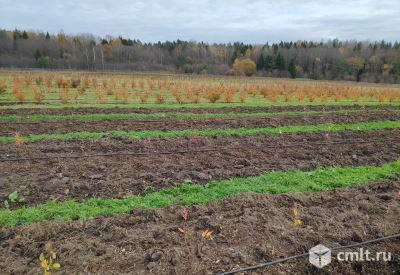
[{"x": 333, "y": 59}]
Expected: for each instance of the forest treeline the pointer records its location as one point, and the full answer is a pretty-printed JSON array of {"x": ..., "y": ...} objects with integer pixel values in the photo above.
[{"x": 335, "y": 60}]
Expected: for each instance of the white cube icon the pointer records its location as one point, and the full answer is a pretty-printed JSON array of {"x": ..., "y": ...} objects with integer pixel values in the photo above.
[{"x": 320, "y": 256}]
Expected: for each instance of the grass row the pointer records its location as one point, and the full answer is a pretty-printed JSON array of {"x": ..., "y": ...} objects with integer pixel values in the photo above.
[
  {"x": 270, "y": 182},
  {"x": 99, "y": 116},
  {"x": 252, "y": 103},
  {"x": 388, "y": 124}
]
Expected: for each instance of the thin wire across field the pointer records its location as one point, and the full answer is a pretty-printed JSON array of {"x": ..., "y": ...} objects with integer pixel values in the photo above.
[
  {"x": 297, "y": 256},
  {"x": 199, "y": 150}
]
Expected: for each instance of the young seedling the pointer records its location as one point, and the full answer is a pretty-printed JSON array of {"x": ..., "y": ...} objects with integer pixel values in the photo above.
[
  {"x": 3, "y": 86},
  {"x": 185, "y": 214},
  {"x": 296, "y": 215},
  {"x": 206, "y": 233},
  {"x": 176, "y": 94},
  {"x": 160, "y": 98},
  {"x": 181, "y": 230},
  {"x": 19, "y": 140},
  {"x": 18, "y": 93},
  {"x": 38, "y": 94},
  {"x": 229, "y": 93},
  {"x": 213, "y": 94},
  {"x": 13, "y": 198},
  {"x": 49, "y": 264},
  {"x": 242, "y": 96}
]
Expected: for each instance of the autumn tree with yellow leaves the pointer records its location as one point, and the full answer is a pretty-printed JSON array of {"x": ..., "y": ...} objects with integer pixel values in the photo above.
[{"x": 246, "y": 66}]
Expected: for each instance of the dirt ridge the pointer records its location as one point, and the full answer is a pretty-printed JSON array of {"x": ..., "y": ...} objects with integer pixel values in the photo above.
[
  {"x": 247, "y": 229},
  {"x": 124, "y": 110},
  {"x": 169, "y": 124},
  {"x": 118, "y": 176}
]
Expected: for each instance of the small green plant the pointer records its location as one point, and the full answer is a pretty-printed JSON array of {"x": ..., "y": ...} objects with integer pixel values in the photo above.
[
  {"x": 13, "y": 198},
  {"x": 49, "y": 264}
]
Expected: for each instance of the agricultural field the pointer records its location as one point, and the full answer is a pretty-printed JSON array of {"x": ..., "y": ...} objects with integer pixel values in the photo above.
[
  {"x": 106, "y": 90},
  {"x": 110, "y": 173}
]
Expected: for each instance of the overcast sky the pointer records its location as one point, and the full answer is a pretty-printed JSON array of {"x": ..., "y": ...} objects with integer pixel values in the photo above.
[{"x": 254, "y": 21}]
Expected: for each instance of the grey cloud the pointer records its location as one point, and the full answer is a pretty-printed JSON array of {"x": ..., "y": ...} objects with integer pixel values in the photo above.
[{"x": 211, "y": 21}]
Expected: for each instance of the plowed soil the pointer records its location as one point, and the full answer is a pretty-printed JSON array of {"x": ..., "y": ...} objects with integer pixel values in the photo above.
[
  {"x": 118, "y": 176},
  {"x": 247, "y": 229},
  {"x": 168, "y": 124},
  {"x": 59, "y": 111}
]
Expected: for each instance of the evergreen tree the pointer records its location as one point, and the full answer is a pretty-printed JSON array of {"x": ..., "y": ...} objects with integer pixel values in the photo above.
[
  {"x": 335, "y": 43},
  {"x": 292, "y": 69},
  {"x": 268, "y": 62},
  {"x": 260, "y": 63},
  {"x": 396, "y": 65},
  {"x": 16, "y": 34},
  {"x": 280, "y": 62},
  {"x": 275, "y": 48},
  {"x": 38, "y": 54},
  {"x": 47, "y": 36},
  {"x": 25, "y": 35},
  {"x": 43, "y": 62}
]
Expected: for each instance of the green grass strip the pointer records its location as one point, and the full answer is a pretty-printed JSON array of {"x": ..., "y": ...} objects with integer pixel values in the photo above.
[
  {"x": 45, "y": 117},
  {"x": 214, "y": 131},
  {"x": 269, "y": 182}
]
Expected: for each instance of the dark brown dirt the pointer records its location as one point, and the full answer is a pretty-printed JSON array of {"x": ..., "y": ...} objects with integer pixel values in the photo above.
[
  {"x": 168, "y": 124},
  {"x": 117, "y": 176},
  {"x": 247, "y": 229},
  {"x": 58, "y": 111}
]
